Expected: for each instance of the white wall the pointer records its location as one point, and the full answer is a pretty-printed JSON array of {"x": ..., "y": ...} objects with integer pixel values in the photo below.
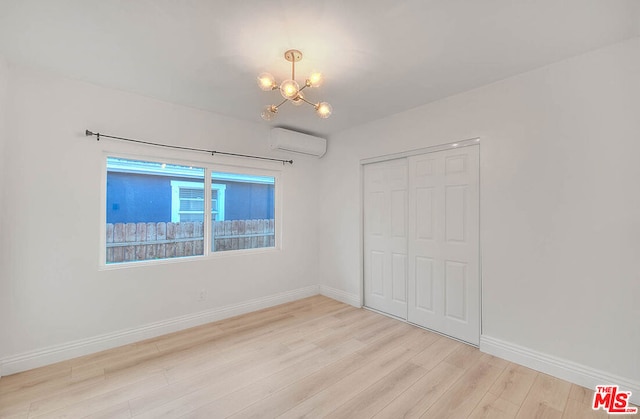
[
  {"x": 560, "y": 204},
  {"x": 4, "y": 285},
  {"x": 4, "y": 76},
  {"x": 51, "y": 224}
]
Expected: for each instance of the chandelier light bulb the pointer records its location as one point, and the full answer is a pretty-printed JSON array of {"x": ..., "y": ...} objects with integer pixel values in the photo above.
[
  {"x": 289, "y": 89},
  {"x": 266, "y": 81},
  {"x": 323, "y": 109},
  {"x": 269, "y": 113},
  {"x": 315, "y": 80}
]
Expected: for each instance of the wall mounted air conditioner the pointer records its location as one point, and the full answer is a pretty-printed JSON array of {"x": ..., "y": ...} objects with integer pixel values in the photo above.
[{"x": 297, "y": 142}]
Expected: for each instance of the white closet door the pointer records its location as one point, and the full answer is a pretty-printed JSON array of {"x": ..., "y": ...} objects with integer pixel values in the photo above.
[
  {"x": 385, "y": 237},
  {"x": 443, "y": 243}
]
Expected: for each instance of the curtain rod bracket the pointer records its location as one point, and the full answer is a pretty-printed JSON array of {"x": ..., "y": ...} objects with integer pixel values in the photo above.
[{"x": 89, "y": 133}]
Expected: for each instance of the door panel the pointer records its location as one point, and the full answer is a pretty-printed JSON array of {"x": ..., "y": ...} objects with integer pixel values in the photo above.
[
  {"x": 424, "y": 288},
  {"x": 385, "y": 237},
  {"x": 399, "y": 267},
  {"x": 399, "y": 213},
  {"x": 377, "y": 273},
  {"x": 455, "y": 212},
  {"x": 443, "y": 242},
  {"x": 424, "y": 206},
  {"x": 455, "y": 279}
]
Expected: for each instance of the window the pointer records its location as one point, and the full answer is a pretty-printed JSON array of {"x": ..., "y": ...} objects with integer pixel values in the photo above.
[
  {"x": 156, "y": 210},
  {"x": 248, "y": 221}
]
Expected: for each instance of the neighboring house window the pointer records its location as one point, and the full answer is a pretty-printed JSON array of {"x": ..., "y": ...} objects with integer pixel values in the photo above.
[
  {"x": 156, "y": 210},
  {"x": 187, "y": 201}
]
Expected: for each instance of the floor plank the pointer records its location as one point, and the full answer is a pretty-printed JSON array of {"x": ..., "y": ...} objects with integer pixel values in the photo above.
[
  {"x": 514, "y": 384},
  {"x": 575, "y": 409},
  {"x": 493, "y": 406},
  {"x": 320, "y": 393},
  {"x": 546, "y": 399},
  {"x": 463, "y": 396},
  {"x": 372, "y": 399},
  {"x": 424, "y": 393}
]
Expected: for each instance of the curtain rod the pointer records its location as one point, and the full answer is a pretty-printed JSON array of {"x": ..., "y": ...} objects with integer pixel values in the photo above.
[{"x": 177, "y": 147}]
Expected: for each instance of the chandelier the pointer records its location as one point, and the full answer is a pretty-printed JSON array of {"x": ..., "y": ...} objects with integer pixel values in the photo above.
[{"x": 291, "y": 90}]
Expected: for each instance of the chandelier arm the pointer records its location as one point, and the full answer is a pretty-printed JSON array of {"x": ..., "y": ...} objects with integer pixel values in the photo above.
[
  {"x": 306, "y": 101},
  {"x": 281, "y": 103}
]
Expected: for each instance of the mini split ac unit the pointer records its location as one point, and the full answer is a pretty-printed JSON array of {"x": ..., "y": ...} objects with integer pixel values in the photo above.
[{"x": 297, "y": 142}]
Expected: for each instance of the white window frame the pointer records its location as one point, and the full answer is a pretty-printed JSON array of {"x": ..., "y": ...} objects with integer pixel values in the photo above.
[
  {"x": 234, "y": 171},
  {"x": 176, "y": 185}
]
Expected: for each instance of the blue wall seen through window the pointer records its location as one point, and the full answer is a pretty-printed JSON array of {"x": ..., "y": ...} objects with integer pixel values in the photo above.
[{"x": 134, "y": 198}]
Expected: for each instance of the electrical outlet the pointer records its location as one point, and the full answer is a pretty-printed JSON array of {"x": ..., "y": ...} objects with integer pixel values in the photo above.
[{"x": 202, "y": 295}]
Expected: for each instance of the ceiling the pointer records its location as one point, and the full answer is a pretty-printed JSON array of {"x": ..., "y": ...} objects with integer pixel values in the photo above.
[{"x": 379, "y": 57}]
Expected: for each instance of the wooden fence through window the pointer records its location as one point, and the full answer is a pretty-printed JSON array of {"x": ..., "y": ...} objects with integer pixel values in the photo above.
[{"x": 145, "y": 241}]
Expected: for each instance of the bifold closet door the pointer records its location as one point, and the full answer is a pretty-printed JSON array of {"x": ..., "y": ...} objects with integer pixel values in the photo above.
[
  {"x": 385, "y": 237},
  {"x": 443, "y": 245}
]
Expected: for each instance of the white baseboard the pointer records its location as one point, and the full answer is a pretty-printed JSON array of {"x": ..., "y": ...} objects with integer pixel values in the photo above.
[
  {"x": 561, "y": 368},
  {"x": 57, "y": 353},
  {"x": 342, "y": 296}
]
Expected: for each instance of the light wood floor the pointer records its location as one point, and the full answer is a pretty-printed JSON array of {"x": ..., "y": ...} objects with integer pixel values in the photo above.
[{"x": 314, "y": 357}]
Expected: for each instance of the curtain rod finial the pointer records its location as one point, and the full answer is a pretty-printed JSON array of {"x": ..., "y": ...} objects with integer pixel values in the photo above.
[{"x": 88, "y": 133}]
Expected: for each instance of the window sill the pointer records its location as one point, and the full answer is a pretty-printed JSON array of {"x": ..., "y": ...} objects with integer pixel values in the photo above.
[{"x": 211, "y": 256}]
